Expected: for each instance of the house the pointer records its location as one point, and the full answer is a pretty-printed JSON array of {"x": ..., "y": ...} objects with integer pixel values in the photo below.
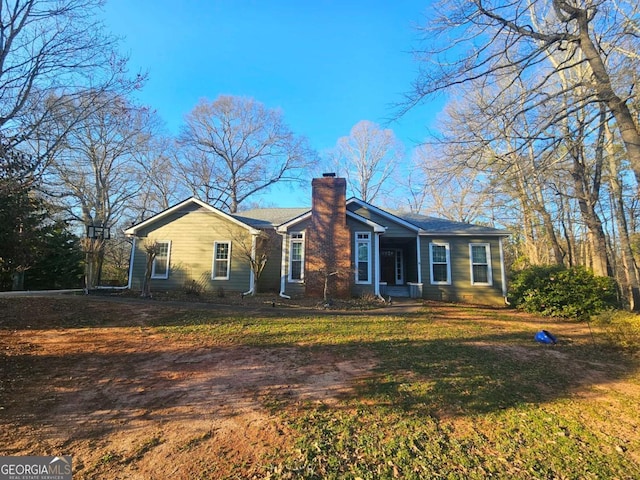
[{"x": 347, "y": 246}]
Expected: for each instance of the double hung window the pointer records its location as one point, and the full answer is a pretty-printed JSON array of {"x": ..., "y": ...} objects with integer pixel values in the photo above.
[
  {"x": 480, "y": 256},
  {"x": 160, "y": 267},
  {"x": 221, "y": 268},
  {"x": 440, "y": 261},
  {"x": 296, "y": 257},
  {"x": 363, "y": 257}
]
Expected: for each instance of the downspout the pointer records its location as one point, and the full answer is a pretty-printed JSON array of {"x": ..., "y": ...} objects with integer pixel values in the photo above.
[
  {"x": 376, "y": 247},
  {"x": 503, "y": 273},
  {"x": 133, "y": 252},
  {"x": 252, "y": 277},
  {"x": 283, "y": 267}
]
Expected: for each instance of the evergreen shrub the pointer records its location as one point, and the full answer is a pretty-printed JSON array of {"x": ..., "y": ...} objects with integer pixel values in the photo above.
[{"x": 557, "y": 291}]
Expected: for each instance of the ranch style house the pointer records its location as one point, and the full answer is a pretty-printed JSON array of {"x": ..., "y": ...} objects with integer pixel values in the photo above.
[{"x": 348, "y": 246}]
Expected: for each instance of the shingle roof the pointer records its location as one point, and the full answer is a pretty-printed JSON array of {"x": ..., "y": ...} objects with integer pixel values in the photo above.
[
  {"x": 269, "y": 217},
  {"x": 272, "y": 217},
  {"x": 442, "y": 225}
]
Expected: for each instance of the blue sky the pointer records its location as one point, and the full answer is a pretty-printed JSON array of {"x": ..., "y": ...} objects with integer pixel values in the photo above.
[{"x": 326, "y": 64}]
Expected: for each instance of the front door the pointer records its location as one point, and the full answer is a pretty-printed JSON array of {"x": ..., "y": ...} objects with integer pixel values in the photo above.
[{"x": 391, "y": 268}]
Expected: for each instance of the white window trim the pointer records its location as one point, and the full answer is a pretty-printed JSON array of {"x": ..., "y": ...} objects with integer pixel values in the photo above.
[
  {"x": 448, "y": 254},
  {"x": 165, "y": 275},
  {"x": 301, "y": 240},
  {"x": 487, "y": 247},
  {"x": 228, "y": 260},
  {"x": 366, "y": 240}
]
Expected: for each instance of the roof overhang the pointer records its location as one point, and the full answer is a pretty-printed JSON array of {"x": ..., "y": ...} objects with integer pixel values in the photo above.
[
  {"x": 285, "y": 226},
  {"x": 387, "y": 215},
  {"x": 377, "y": 228},
  {"x": 464, "y": 234}
]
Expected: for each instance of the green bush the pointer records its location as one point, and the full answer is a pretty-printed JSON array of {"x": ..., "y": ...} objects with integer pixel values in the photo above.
[{"x": 556, "y": 291}]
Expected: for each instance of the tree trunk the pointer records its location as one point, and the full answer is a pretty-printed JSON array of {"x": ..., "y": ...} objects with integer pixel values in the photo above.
[
  {"x": 632, "y": 282},
  {"x": 604, "y": 89},
  {"x": 146, "y": 283},
  {"x": 17, "y": 280},
  {"x": 596, "y": 236}
]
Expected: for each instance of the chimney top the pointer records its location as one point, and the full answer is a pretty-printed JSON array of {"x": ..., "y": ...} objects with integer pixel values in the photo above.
[{"x": 329, "y": 174}]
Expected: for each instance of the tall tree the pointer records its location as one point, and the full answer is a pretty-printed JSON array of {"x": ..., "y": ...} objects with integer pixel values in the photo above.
[
  {"x": 50, "y": 52},
  {"x": 94, "y": 172},
  {"x": 37, "y": 249},
  {"x": 490, "y": 40},
  {"x": 454, "y": 190},
  {"x": 160, "y": 185},
  {"x": 367, "y": 158},
  {"x": 236, "y": 147},
  {"x": 20, "y": 216}
]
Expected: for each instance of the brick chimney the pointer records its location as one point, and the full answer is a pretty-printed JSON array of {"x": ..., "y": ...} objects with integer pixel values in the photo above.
[{"x": 328, "y": 240}]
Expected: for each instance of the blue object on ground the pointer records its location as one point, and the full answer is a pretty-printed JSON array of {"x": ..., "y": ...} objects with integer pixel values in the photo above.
[{"x": 543, "y": 336}]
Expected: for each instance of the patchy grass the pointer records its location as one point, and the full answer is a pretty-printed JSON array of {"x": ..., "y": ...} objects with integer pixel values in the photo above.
[
  {"x": 458, "y": 392},
  {"x": 454, "y": 392}
]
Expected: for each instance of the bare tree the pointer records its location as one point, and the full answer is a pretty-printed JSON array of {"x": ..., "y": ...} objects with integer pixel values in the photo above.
[
  {"x": 255, "y": 249},
  {"x": 159, "y": 178},
  {"x": 485, "y": 148},
  {"x": 52, "y": 51},
  {"x": 93, "y": 172},
  {"x": 151, "y": 250},
  {"x": 236, "y": 147},
  {"x": 493, "y": 40},
  {"x": 453, "y": 190},
  {"x": 367, "y": 158}
]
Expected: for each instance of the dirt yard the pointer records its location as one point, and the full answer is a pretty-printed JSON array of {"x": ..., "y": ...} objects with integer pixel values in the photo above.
[
  {"x": 129, "y": 403},
  {"x": 90, "y": 377}
]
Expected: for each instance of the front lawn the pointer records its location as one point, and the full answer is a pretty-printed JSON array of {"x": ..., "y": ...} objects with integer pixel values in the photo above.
[{"x": 443, "y": 391}]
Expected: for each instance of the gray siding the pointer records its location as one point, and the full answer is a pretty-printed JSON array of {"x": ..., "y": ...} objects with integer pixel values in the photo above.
[
  {"x": 394, "y": 229},
  {"x": 461, "y": 289}
]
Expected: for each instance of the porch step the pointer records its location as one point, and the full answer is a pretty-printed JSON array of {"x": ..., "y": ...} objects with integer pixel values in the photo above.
[{"x": 395, "y": 291}]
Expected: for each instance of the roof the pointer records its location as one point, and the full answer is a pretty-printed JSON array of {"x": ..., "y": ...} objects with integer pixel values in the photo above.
[
  {"x": 269, "y": 217},
  {"x": 429, "y": 225},
  {"x": 261, "y": 218}
]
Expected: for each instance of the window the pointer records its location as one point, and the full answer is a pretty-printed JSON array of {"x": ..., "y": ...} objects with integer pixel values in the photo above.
[
  {"x": 363, "y": 257},
  {"x": 296, "y": 257},
  {"x": 221, "y": 261},
  {"x": 160, "y": 267},
  {"x": 440, "y": 263},
  {"x": 480, "y": 255}
]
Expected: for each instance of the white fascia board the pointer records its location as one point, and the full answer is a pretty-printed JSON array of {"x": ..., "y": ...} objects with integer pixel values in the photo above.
[
  {"x": 387, "y": 215},
  {"x": 285, "y": 226},
  {"x": 377, "y": 228},
  {"x": 426, "y": 233}
]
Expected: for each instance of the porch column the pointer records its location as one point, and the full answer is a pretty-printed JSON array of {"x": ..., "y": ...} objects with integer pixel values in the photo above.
[
  {"x": 283, "y": 265},
  {"x": 419, "y": 259},
  {"x": 503, "y": 272},
  {"x": 376, "y": 274}
]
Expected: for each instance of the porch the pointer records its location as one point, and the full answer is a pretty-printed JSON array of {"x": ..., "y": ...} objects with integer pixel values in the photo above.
[{"x": 399, "y": 269}]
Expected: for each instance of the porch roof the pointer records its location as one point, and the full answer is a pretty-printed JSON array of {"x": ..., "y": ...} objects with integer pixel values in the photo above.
[{"x": 432, "y": 225}]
